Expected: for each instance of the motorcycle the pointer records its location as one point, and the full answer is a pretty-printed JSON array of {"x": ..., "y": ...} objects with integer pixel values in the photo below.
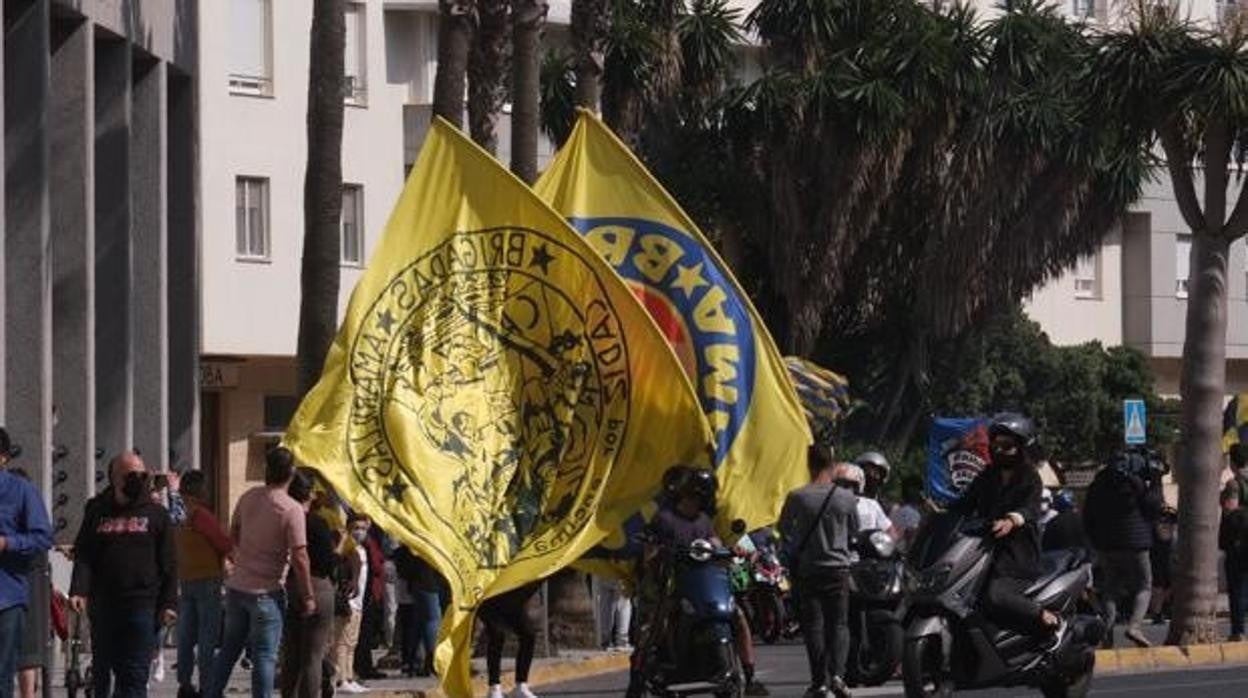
[
  {"x": 764, "y": 599},
  {"x": 876, "y": 610},
  {"x": 950, "y": 644},
  {"x": 696, "y": 648}
]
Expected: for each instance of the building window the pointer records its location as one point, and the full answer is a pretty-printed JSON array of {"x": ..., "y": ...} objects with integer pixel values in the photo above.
[
  {"x": 1084, "y": 9},
  {"x": 251, "y": 218},
  {"x": 355, "y": 58},
  {"x": 1088, "y": 276},
  {"x": 251, "y": 69},
  {"x": 352, "y": 224},
  {"x": 1182, "y": 263}
]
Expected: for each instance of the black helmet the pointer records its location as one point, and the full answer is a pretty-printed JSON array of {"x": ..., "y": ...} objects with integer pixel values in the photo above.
[
  {"x": 675, "y": 478},
  {"x": 685, "y": 481},
  {"x": 1013, "y": 424}
]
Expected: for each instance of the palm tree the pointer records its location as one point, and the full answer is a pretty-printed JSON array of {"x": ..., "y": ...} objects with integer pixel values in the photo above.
[
  {"x": 457, "y": 20},
  {"x": 899, "y": 170},
  {"x": 590, "y": 21},
  {"x": 1191, "y": 86},
  {"x": 322, "y": 192},
  {"x": 527, "y": 18},
  {"x": 487, "y": 66},
  {"x": 558, "y": 102}
]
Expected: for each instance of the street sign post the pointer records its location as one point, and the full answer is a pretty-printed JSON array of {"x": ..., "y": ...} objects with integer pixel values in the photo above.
[{"x": 1134, "y": 422}]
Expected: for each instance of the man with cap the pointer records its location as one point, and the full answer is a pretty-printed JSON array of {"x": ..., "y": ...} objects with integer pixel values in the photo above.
[{"x": 24, "y": 534}]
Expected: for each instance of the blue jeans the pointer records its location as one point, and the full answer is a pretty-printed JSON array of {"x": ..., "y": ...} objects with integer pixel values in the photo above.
[
  {"x": 12, "y": 626},
  {"x": 1237, "y": 593},
  {"x": 428, "y": 618},
  {"x": 199, "y": 628},
  {"x": 254, "y": 620},
  {"x": 122, "y": 641}
]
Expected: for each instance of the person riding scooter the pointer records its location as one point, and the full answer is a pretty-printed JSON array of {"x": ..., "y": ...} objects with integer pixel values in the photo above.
[
  {"x": 876, "y": 469},
  {"x": 1007, "y": 494},
  {"x": 681, "y": 519}
]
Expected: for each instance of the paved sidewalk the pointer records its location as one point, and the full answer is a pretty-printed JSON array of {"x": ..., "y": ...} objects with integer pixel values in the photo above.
[{"x": 570, "y": 665}]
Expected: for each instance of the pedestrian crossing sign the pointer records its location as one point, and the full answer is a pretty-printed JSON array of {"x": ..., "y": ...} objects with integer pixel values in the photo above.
[{"x": 1134, "y": 421}]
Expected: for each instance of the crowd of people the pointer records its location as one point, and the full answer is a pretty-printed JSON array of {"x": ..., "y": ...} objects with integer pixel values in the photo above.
[{"x": 305, "y": 591}]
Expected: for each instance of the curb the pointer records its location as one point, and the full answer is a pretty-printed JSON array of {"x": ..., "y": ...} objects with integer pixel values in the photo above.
[
  {"x": 546, "y": 673},
  {"x": 1137, "y": 659}
]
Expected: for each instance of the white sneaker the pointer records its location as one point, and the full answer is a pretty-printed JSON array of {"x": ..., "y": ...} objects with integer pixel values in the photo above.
[
  {"x": 352, "y": 687},
  {"x": 522, "y": 691},
  {"x": 496, "y": 691},
  {"x": 623, "y": 648}
]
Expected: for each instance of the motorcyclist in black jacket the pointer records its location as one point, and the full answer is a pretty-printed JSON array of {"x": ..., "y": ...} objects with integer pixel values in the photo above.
[{"x": 1007, "y": 494}]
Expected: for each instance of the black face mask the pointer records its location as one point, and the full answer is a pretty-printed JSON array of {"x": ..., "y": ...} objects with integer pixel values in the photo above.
[
  {"x": 134, "y": 486},
  {"x": 1007, "y": 460}
]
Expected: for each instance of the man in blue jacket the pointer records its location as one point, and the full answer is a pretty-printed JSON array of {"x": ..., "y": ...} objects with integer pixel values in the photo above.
[{"x": 24, "y": 533}]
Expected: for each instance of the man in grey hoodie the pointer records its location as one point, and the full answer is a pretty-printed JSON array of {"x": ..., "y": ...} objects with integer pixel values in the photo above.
[{"x": 818, "y": 523}]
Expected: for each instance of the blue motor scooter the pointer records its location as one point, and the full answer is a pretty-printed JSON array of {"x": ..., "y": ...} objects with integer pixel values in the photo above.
[{"x": 695, "y": 651}]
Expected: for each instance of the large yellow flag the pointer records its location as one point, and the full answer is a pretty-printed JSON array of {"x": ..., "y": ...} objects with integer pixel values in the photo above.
[
  {"x": 761, "y": 433},
  {"x": 496, "y": 399}
]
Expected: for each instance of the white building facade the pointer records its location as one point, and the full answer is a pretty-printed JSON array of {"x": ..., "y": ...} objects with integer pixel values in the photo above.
[{"x": 252, "y": 108}]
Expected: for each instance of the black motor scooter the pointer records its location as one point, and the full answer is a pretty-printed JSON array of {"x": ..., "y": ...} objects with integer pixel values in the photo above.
[
  {"x": 876, "y": 610},
  {"x": 950, "y": 644},
  {"x": 696, "y": 651}
]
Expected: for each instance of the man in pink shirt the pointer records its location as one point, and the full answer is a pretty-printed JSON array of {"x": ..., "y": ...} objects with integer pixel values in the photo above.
[{"x": 269, "y": 536}]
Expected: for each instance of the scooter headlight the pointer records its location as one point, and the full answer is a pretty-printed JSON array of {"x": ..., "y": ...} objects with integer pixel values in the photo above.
[
  {"x": 701, "y": 551},
  {"x": 883, "y": 544}
]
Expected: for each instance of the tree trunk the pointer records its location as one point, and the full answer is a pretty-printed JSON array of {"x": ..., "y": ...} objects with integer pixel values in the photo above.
[
  {"x": 527, "y": 17},
  {"x": 456, "y": 21},
  {"x": 1200, "y": 463},
  {"x": 590, "y": 20},
  {"x": 322, "y": 192},
  {"x": 487, "y": 64}
]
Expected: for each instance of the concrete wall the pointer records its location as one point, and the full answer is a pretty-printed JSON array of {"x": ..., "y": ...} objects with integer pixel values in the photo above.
[{"x": 100, "y": 165}]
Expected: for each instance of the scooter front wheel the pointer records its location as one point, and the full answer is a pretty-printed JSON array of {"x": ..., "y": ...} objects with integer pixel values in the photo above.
[{"x": 922, "y": 669}]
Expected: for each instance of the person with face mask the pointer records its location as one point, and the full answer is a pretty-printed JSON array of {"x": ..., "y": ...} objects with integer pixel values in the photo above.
[
  {"x": 1233, "y": 540},
  {"x": 125, "y": 577},
  {"x": 1007, "y": 495}
]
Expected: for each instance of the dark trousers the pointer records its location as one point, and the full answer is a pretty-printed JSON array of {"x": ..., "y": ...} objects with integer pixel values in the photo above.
[
  {"x": 12, "y": 632},
  {"x": 509, "y": 612},
  {"x": 370, "y": 632},
  {"x": 1237, "y": 593},
  {"x": 307, "y": 639},
  {"x": 824, "y": 615},
  {"x": 122, "y": 641},
  {"x": 1007, "y": 606}
]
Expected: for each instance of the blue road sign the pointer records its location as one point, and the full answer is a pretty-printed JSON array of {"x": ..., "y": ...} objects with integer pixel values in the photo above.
[{"x": 1134, "y": 422}]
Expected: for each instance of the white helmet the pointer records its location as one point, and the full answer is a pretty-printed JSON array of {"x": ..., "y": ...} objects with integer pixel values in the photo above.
[
  {"x": 874, "y": 459},
  {"x": 848, "y": 472}
]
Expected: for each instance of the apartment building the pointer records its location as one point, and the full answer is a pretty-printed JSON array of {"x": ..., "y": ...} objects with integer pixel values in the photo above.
[
  {"x": 252, "y": 106},
  {"x": 1133, "y": 289}
]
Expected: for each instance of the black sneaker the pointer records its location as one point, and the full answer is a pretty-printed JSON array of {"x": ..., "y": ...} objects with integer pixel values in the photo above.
[
  {"x": 756, "y": 688},
  {"x": 838, "y": 688},
  {"x": 816, "y": 692}
]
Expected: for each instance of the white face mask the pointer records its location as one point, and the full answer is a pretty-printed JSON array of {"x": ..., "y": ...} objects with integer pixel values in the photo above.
[{"x": 359, "y": 536}]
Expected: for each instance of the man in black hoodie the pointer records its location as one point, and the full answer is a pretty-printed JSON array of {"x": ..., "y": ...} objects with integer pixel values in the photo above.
[
  {"x": 1123, "y": 503},
  {"x": 125, "y": 577}
]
